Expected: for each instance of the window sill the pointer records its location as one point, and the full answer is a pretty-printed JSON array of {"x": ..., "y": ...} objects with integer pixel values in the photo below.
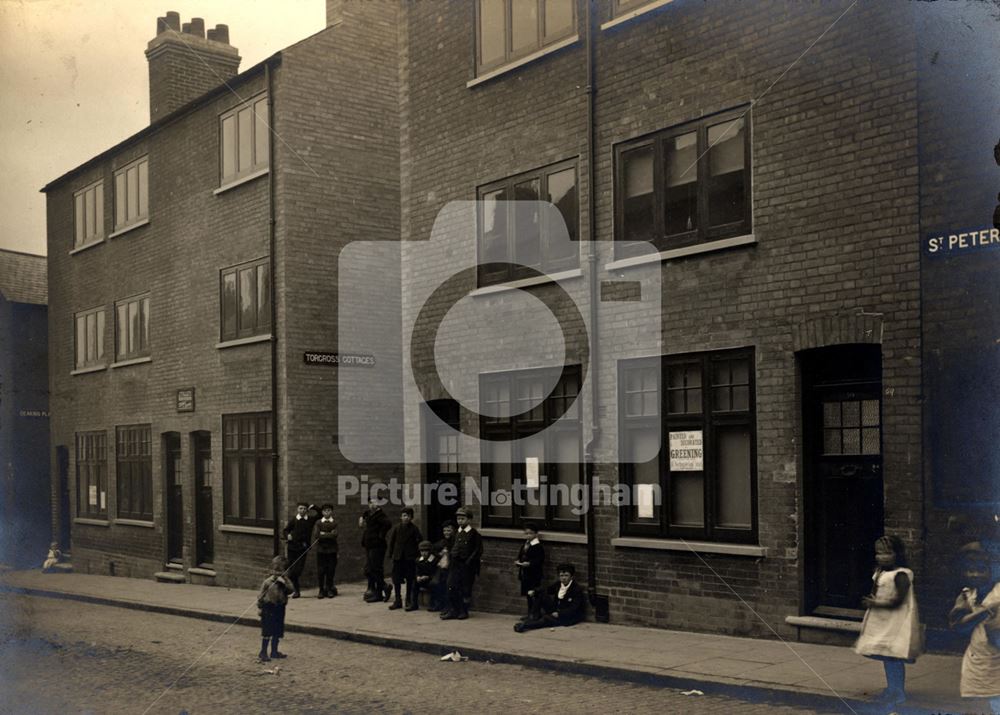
[
  {"x": 560, "y": 537},
  {"x": 243, "y": 341},
  {"x": 84, "y": 247},
  {"x": 91, "y": 522},
  {"x": 701, "y": 547},
  {"x": 527, "y": 59},
  {"x": 528, "y": 282},
  {"x": 237, "y": 529},
  {"x": 673, "y": 253},
  {"x": 131, "y": 227},
  {"x": 242, "y": 180},
  {"x": 135, "y": 522},
  {"x": 632, "y": 14},
  {"x": 92, "y": 368},
  {"x": 131, "y": 361}
]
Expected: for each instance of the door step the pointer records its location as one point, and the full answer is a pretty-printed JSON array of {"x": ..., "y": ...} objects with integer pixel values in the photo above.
[
  {"x": 202, "y": 575},
  {"x": 169, "y": 577},
  {"x": 827, "y": 631}
]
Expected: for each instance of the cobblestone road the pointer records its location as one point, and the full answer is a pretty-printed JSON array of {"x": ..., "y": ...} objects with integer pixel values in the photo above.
[{"x": 68, "y": 657}]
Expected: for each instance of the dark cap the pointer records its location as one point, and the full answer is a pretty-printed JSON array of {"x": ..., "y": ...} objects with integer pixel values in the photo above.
[
  {"x": 407, "y": 510},
  {"x": 326, "y": 506},
  {"x": 425, "y": 546},
  {"x": 464, "y": 511}
]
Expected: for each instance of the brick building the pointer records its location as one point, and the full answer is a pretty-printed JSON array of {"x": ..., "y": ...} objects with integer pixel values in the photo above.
[
  {"x": 771, "y": 153},
  {"x": 190, "y": 267},
  {"x": 24, "y": 410},
  {"x": 784, "y": 165}
]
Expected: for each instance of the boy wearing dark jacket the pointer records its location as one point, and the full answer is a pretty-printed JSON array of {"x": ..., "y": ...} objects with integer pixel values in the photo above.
[
  {"x": 463, "y": 566},
  {"x": 298, "y": 537},
  {"x": 404, "y": 548},
  {"x": 562, "y": 603},
  {"x": 442, "y": 549},
  {"x": 426, "y": 575},
  {"x": 530, "y": 561},
  {"x": 376, "y": 525},
  {"x": 324, "y": 536},
  {"x": 271, "y": 600}
]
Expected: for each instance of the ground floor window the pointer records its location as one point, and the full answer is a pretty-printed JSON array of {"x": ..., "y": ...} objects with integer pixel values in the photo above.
[
  {"x": 532, "y": 448},
  {"x": 134, "y": 472},
  {"x": 688, "y": 441},
  {"x": 92, "y": 475},
  {"x": 248, "y": 469}
]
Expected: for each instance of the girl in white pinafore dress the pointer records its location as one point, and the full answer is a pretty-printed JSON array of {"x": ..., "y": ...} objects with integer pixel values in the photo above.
[
  {"x": 891, "y": 629},
  {"x": 981, "y": 662}
]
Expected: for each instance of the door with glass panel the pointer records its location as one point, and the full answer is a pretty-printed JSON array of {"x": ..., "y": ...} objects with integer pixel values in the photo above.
[{"x": 843, "y": 488}]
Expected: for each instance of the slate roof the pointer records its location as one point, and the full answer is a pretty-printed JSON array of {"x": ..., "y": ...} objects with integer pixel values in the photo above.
[{"x": 23, "y": 278}]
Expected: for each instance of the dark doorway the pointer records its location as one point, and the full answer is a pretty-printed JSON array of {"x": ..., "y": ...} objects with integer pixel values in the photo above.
[
  {"x": 62, "y": 465},
  {"x": 842, "y": 486},
  {"x": 201, "y": 449},
  {"x": 174, "y": 497},
  {"x": 441, "y": 463}
]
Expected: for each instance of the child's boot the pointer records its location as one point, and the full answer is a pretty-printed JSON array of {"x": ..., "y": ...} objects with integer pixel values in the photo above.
[
  {"x": 411, "y": 599},
  {"x": 274, "y": 649},
  {"x": 262, "y": 656}
]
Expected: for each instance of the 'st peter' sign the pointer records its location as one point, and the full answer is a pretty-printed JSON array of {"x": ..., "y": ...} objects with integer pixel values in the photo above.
[{"x": 950, "y": 244}]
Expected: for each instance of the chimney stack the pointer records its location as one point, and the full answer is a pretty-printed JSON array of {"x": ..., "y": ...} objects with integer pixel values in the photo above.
[{"x": 184, "y": 63}]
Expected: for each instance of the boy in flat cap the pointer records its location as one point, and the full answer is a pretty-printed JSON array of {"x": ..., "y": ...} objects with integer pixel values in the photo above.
[
  {"x": 463, "y": 567},
  {"x": 298, "y": 538},
  {"x": 324, "y": 536},
  {"x": 426, "y": 573},
  {"x": 376, "y": 525},
  {"x": 404, "y": 548},
  {"x": 271, "y": 600}
]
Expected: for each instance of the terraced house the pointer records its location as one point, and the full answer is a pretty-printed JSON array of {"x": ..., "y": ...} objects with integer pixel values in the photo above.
[
  {"x": 762, "y": 261},
  {"x": 191, "y": 265}
]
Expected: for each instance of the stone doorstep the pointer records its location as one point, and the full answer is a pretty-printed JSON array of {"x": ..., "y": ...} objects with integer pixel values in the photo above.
[
  {"x": 169, "y": 577},
  {"x": 826, "y": 624}
]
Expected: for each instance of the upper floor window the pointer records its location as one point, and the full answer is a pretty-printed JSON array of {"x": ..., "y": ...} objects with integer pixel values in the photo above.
[
  {"x": 688, "y": 444},
  {"x": 246, "y": 300},
  {"x": 623, "y": 6},
  {"x": 132, "y": 194},
  {"x": 507, "y": 30},
  {"x": 88, "y": 212},
  {"x": 532, "y": 447},
  {"x": 513, "y": 234},
  {"x": 89, "y": 332},
  {"x": 132, "y": 328},
  {"x": 244, "y": 140},
  {"x": 687, "y": 184}
]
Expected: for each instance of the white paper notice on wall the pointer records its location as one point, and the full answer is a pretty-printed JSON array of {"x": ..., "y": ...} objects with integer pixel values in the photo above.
[
  {"x": 687, "y": 451},
  {"x": 104, "y": 501},
  {"x": 531, "y": 472},
  {"x": 92, "y": 495},
  {"x": 644, "y": 501}
]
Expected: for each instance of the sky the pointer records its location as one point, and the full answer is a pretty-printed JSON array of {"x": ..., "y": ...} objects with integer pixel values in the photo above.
[{"x": 74, "y": 82}]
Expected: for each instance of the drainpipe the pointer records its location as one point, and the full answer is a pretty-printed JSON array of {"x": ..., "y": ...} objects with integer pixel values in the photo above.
[
  {"x": 271, "y": 239},
  {"x": 598, "y": 602}
]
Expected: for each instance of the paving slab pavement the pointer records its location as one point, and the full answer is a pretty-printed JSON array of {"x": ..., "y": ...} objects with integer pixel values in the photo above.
[{"x": 782, "y": 671}]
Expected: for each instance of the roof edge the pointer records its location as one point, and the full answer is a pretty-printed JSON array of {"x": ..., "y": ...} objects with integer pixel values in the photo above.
[{"x": 174, "y": 116}]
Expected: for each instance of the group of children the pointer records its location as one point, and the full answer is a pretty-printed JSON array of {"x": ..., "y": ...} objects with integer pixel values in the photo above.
[
  {"x": 891, "y": 631},
  {"x": 446, "y": 570}
]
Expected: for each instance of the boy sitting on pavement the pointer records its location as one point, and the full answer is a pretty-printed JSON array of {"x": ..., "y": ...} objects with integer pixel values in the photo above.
[
  {"x": 562, "y": 603},
  {"x": 426, "y": 572}
]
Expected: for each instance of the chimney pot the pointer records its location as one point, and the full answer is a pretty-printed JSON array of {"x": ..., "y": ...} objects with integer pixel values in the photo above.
[
  {"x": 174, "y": 21},
  {"x": 186, "y": 28},
  {"x": 222, "y": 33},
  {"x": 198, "y": 26},
  {"x": 210, "y": 34},
  {"x": 161, "y": 25}
]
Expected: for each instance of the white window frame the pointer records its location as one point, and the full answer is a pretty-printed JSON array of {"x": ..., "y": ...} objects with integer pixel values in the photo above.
[
  {"x": 259, "y": 160},
  {"x": 89, "y": 360},
  {"x": 87, "y": 215},
  {"x": 127, "y": 215},
  {"x": 142, "y": 309}
]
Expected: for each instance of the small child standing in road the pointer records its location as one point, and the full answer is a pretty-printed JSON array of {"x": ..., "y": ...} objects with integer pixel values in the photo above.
[
  {"x": 271, "y": 600},
  {"x": 891, "y": 631},
  {"x": 980, "y": 614}
]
